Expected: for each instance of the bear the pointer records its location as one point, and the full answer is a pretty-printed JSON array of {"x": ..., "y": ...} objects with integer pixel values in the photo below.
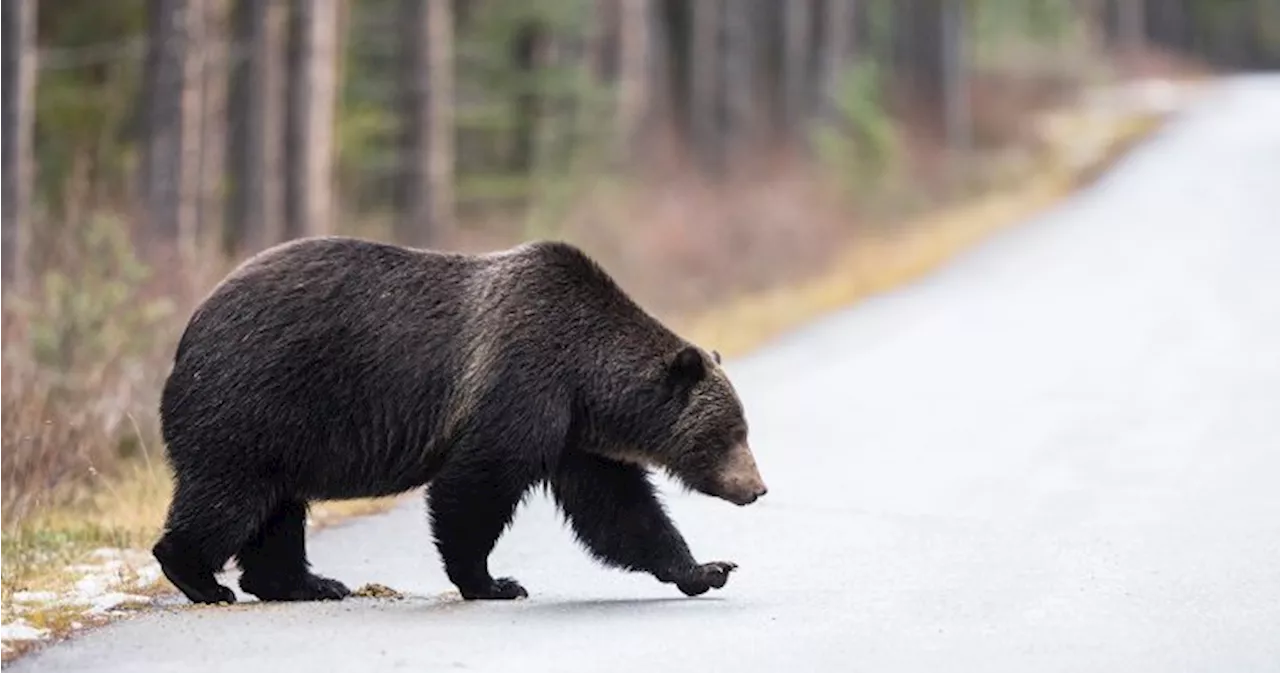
[{"x": 336, "y": 367}]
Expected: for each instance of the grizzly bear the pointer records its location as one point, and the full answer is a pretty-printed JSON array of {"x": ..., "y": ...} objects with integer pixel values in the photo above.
[{"x": 334, "y": 368}]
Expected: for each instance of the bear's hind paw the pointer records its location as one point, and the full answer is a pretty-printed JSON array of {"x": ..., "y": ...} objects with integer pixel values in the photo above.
[
  {"x": 215, "y": 595},
  {"x": 503, "y": 588},
  {"x": 309, "y": 587}
]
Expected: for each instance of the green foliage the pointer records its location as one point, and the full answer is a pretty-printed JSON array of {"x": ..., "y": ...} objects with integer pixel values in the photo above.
[
  {"x": 87, "y": 95},
  {"x": 568, "y": 123},
  {"x": 524, "y": 135},
  {"x": 90, "y": 314},
  {"x": 859, "y": 144},
  {"x": 572, "y": 149},
  {"x": 365, "y": 141},
  {"x": 997, "y": 20},
  {"x": 1269, "y": 27},
  {"x": 879, "y": 17}
]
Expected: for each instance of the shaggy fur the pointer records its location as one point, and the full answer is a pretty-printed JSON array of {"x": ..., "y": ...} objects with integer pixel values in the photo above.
[{"x": 334, "y": 368}]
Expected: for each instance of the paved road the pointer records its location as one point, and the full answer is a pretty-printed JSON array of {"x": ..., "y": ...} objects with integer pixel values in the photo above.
[{"x": 1061, "y": 453}]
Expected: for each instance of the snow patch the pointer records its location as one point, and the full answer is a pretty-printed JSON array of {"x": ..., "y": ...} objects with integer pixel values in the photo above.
[
  {"x": 113, "y": 599},
  {"x": 98, "y": 588},
  {"x": 34, "y": 596},
  {"x": 104, "y": 584},
  {"x": 19, "y": 629}
]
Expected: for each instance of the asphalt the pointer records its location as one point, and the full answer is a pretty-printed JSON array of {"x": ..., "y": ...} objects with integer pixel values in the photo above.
[{"x": 1059, "y": 453}]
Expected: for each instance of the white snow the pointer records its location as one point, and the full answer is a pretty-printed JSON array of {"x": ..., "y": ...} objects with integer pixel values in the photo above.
[
  {"x": 34, "y": 596},
  {"x": 103, "y": 585},
  {"x": 19, "y": 629}
]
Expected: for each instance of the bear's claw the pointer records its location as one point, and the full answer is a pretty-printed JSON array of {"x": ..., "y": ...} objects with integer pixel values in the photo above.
[
  {"x": 503, "y": 588},
  {"x": 705, "y": 577}
]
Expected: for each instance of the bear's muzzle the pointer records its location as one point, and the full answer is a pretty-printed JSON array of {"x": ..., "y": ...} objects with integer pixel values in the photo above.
[{"x": 739, "y": 479}]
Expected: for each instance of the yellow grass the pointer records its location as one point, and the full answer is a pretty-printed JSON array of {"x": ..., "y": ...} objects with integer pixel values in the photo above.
[
  {"x": 873, "y": 266},
  {"x": 127, "y": 511},
  {"x": 124, "y": 512}
]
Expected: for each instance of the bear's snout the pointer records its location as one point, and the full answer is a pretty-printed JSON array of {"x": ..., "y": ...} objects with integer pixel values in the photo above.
[{"x": 740, "y": 481}]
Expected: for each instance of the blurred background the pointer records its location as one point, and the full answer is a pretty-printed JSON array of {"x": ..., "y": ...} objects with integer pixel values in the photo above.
[{"x": 701, "y": 149}]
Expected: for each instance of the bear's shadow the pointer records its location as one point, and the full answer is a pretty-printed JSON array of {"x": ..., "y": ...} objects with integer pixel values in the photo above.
[
  {"x": 609, "y": 605},
  {"x": 555, "y": 606}
]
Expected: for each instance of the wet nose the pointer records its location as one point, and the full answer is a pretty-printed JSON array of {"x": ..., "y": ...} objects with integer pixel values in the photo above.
[{"x": 756, "y": 495}]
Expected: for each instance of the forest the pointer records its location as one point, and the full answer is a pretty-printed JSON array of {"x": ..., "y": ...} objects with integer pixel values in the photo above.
[{"x": 237, "y": 124}]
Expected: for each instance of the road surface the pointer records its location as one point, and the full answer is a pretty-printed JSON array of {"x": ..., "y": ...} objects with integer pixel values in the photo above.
[{"x": 1060, "y": 453}]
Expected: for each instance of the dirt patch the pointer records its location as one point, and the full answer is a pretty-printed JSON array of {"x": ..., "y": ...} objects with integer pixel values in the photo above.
[{"x": 374, "y": 590}]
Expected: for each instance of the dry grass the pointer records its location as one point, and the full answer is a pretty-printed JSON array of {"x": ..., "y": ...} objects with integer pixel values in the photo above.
[
  {"x": 885, "y": 262},
  {"x": 124, "y": 511},
  {"x": 123, "y": 507}
]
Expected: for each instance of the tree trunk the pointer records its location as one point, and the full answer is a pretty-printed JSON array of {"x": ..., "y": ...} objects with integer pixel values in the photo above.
[
  {"x": 19, "y": 118},
  {"x": 921, "y": 23},
  {"x": 559, "y": 128},
  {"x": 602, "y": 23},
  {"x": 703, "y": 81},
  {"x": 255, "y": 215},
  {"x": 427, "y": 179},
  {"x": 440, "y": 101},
  {"x": 213, "y": 94},
  {"x": 528, "y": 52},
  {"x": 312, "y": 101},
  {"x": 191, "y": 184},
  {"x": 1092, "y": 24},
  {"x": 171, "y": 177},
  {"x": 1132, "y": 25},
  {"x": 838, "y": 48},
  {"x": 633, "y": 70},
  {"x": 795, "y": 60},
  {"x": 955, "y": 89},
  {"x": 739, "y": 119},
  {"x": 666, "y": 104}
]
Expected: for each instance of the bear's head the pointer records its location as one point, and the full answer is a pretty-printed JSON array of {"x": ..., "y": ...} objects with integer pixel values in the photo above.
[{"x": 690, "y": 423}]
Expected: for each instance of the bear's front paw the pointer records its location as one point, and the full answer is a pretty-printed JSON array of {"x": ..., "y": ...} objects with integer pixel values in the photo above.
[
  {"x": 706, "y": 577},
  {"x": 503, "y": 588}
]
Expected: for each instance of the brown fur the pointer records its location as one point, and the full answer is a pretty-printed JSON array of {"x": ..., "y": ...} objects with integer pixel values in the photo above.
[{"x": 332, "y": 368}]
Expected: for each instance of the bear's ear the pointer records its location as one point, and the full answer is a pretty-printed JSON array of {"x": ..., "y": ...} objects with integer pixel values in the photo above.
[
  {"x": 716, "y": 356},
  {"x": 687, "y": 366}
]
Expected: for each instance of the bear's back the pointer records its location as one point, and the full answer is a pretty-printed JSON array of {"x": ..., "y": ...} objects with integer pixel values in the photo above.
[
  {"x": 340, "y": 288},
  {"x": 316, "y": 330},
  {"x": 345, "y": 348}
]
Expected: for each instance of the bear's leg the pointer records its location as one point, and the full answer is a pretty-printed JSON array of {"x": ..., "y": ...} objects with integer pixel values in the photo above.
[
  {"x": 274, "y": 560},
  {"x": 202, "y": 531},
  {"x": 615, "y": 512},
  {"x": 470, "y": 505}
]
